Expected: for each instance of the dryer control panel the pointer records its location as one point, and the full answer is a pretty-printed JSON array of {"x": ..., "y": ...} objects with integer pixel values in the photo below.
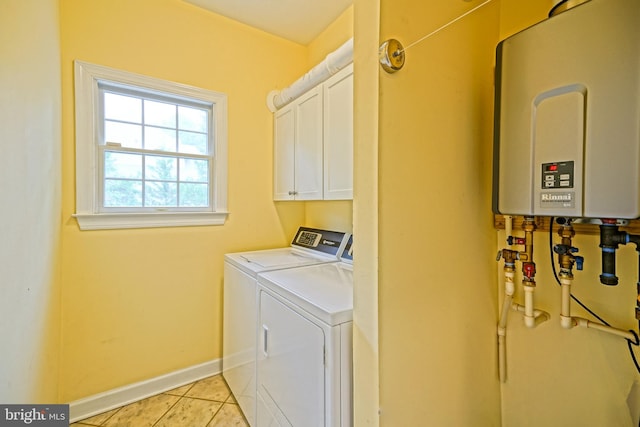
[{"x": 347, "y": 254}]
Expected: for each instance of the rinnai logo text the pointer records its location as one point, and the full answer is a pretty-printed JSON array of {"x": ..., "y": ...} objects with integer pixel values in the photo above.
[
  {"x": 549, "y": 197},
  {"x": 37, "y": 415},
  {"x": 554, "y": 200}
]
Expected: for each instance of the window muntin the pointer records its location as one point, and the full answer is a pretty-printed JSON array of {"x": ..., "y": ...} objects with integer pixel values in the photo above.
[{"x": 149, "y": 153}]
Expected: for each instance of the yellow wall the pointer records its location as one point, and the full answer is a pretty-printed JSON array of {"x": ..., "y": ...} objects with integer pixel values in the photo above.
[
  {"x": 30, "y": 189},
  {"x": 331, "y": 38},
  {"x": 574, "y": 377},
  {"x": 140, "y": 303},
  {"x": 437, "y": 291}
]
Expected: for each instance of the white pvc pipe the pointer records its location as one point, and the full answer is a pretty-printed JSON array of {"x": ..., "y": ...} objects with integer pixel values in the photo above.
[
  {"x": 509, "y": 290},
  {"x": 508, "y": 294},
  {"x": 538, "y": 316},
  {"x": 502, "y": 325},
  {"x": 565, "y": 310},
  {"x": 568, "y": 322},
  {"x": 334, "y": 62},
  {"x": 502, "y": 357},
  {"x": 529, "y": 319},
  {"x": 604, "y": 328}
]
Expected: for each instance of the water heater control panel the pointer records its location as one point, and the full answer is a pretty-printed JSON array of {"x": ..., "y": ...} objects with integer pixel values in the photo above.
[{"x": 557, "y": 175}]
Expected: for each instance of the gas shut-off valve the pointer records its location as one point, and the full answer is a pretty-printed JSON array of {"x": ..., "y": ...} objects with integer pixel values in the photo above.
[{"x": 565, "y": 249}]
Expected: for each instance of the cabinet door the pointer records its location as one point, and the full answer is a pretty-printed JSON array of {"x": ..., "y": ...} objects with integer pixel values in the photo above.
[
  {"x": 338, "y": 135},
  {"x": 308, "y": 146},
  {"x": 283, "y": 153},
  {"x": 291, "y": 379}
]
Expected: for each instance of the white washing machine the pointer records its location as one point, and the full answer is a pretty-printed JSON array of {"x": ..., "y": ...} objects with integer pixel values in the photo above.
[
  {"x": 309, "y": 247},
  {"x": 305, "y": 345}
]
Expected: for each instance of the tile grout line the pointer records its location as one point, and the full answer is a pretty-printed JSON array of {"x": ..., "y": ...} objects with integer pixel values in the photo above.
[
  {"x": 221, "y": 406},
  {"x": 185, "y": 397},
  {"x": 103, "y": 422},
  {"x": 111, "y": 416},
  {"x": 180, "y": 397},
  {"x": 168, "y": 410},
  {"x": 214, "y": 415}
]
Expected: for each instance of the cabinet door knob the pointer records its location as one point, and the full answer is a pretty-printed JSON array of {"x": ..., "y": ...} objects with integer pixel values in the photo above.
[{"x": 293, "y": 193}]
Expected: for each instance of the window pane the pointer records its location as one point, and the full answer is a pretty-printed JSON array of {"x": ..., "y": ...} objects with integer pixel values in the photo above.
[
  {"x": 159, "y": 114},
  {"x": 122, "y": 165},
  {"x": 192, "y": 143},
  {"x": 160, "y": 194},
  {"x": 159, "y": 139},
  {"x": 120, "y": 107},
  {"x": 126, "y": 134},
  {"x": 196, "y": 195},
  {"x": 192, "y": 119},
  {"x": 194, "y": 170},
  {"x": 160, "y": 168},
  {"x": 122, "y": 193}
]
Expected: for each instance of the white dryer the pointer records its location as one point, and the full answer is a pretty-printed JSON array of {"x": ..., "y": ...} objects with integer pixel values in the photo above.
[
  {"x": 305, "y": 345},
  {"x": 309, "y": 247}
]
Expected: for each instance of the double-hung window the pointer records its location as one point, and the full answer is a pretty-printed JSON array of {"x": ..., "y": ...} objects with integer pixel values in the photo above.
[{"x": 149, "y": 152}]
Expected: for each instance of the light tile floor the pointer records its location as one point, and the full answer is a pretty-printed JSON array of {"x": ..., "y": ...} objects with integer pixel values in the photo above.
[{"x": 205, "y": 403}]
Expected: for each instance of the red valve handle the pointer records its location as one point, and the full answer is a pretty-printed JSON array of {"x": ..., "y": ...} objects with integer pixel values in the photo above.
[{"x": 529, "y": 269}]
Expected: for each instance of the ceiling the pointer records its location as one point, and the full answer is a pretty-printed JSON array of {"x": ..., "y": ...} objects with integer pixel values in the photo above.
[{"x": 297, "y": 20}]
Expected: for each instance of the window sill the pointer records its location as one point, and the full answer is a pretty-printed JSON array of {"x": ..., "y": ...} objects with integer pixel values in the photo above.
[{"x": 149, "y": 220}]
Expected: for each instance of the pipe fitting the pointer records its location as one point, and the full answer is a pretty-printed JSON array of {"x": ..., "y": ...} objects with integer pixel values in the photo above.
[
  {"x": 610, "y": 238},
  {"x": 529, "y": 226},
  {"x": 509, "y": 256},
  {"x": 566, "y": 231},
  {"x": 567, "y": 322},
  {"x": 565, "y": 249},
  {"x": 534, "y": 318},
  {"x": 509, "y": 287}
]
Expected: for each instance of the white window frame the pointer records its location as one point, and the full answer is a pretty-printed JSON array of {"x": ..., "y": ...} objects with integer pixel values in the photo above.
[{"x": 88, "y": 206}]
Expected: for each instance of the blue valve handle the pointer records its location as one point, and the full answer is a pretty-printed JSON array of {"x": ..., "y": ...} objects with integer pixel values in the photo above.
[{"x": 564, "y": 249}]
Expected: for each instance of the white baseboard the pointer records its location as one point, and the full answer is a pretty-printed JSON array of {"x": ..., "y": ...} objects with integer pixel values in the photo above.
[{"x": 111, "y": 399}]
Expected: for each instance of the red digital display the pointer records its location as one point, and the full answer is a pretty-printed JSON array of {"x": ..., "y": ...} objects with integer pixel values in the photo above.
[{"x": 552, "y": 168}]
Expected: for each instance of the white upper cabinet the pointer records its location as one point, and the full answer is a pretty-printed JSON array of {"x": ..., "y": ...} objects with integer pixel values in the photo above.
[
  {"x": 338, "y": 136},
  {"x": 283, "y": 153},
  {"x": 308, "y": 146},
  {"x": 313, "y": 143},
  {"x": 298, "y": 148}
]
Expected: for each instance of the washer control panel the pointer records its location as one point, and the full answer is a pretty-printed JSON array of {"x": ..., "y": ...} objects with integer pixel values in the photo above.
[
  {"x": 329, "y": 242},
  {"x": 309, "y": 239}
]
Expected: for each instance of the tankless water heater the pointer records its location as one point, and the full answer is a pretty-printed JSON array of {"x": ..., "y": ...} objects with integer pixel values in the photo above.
[{"x": 567, "y": 115}]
